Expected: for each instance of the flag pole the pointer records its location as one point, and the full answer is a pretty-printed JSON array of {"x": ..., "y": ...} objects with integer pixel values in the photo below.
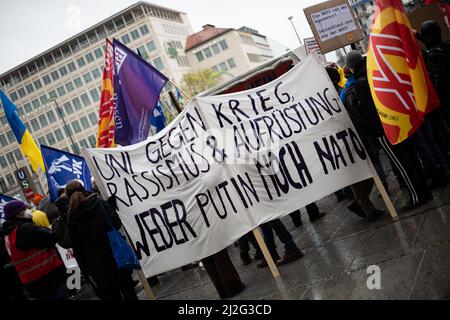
[{"x": 181, "y": 90}]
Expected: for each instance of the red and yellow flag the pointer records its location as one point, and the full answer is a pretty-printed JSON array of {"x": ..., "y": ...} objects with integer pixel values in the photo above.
[
  {"x": 105, "y": 135},
  {"x": 401, "y": 88}
]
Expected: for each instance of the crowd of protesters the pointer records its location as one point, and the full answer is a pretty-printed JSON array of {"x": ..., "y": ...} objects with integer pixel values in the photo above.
[{"x": 31, "y": 268}]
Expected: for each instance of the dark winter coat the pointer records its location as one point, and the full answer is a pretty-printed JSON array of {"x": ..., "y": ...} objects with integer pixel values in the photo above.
[
  {"x": 88, "y": 228},
  {"x": 31, "y": 236}
]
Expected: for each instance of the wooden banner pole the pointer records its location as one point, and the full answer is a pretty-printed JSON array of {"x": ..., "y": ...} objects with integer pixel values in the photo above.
[
  {"x": 266, "y": 253},
  {"x": 387, "y": 200}
]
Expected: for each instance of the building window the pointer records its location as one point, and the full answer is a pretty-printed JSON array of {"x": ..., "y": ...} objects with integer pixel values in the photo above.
[
  {"x": 37, "y": 84},
  {"x": 158, "y": 63},
  {"x": 93, "y": 118},
  {"x": 61, "y": 91},
  {"x": 151, "y": 46},
  {"x": 51, "y": 116},
  {"x": 43, "y": 99},
  {"x": 34, "y": 124},
  {"x": 207, "y": 52},
  {"x": 46, "y": 79},
  {"x": 11, "y": 180},
  {"x": 183, "y": 61},
  {"x": 18, "y": 154},
  {"x": 3, "y": 140},
  {"x": 135, "y": 34},
  {"x": 125, "y": 39},
  {"x": 215, "y": 48},
  {"x": 87, "y": 77},
  {"x": 96, "y": 73},
  {"x": 84, "y": 122},
  {"x": 223, "y": 66},
  {"x": 199, "y": 56},
  {"x": 63, "y": 71},
  {"x": 76, "y": 126},
  {"x": 51, "y": 138},
  {"x": 28, "y": 107},
  {"x": 142, "y": 52},
  {"x": 98, "y": 53},
  {"x": 77, "y": 104},
  {"x": 84, "y": 144},
  {"x": 89, "y": 57},
  {"x": 59, "y": 135},
  {"x": 71, "y": 66},
  {"x": 14, "y": 96},
  {"x": 144, "y": 29},
  {"x": 29, "y": 88},
  {"x": 92, "y": 141},
  {"x": 215, "y": 69},
  {"x": 4, "y": 164},
  {"x": 54, "y": 74},
  {"x": 253, "y": 57},
  {"x": 223, "y": 45},
  {"x": 78, "y": 82},
  {"x": 231, "y": 63},
  {"x": 42, "y": 140},
  {"x": 68, "y": 108},
  {"x": 70, "y": 87},
  {"x": 22, "y": 92},
  {"x": 43, "y": 121},
  {"x": 81, "y": 63},
  {"x": 10, "y": 136},
  {"x": 94, "y": 95},
  {"x": 52, "y": 94},
  {"x": 85, "y": 99}
]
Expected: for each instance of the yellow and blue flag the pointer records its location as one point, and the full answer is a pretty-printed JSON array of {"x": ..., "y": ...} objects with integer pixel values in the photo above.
[{"x": 23, "y": 136}]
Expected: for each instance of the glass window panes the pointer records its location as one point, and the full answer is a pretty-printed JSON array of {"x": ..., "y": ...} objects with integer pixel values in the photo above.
[
  {"x": 93, "y": 118},
  {"x": 215, "y": 48},
  {"x": 30, "y": 88},
  {"x": 50, "y": 138},
  {"x": 10, "y": 158},
  {"x": 92, "y": 141},
  {"x": 151, "y": 46},
  {"x": 125, "y": 39},
  {"x": 135, "y": 34},
  {"x": 3, "y": 141},
  {"x": 14, "y": 96},
  {"x": 51, "y": 116},
  {"x": 200, "y": 56},
  {"x": 70, "y": 87},
  {"x": 81, "y": 62},
  {"x": 96, "y": 73},
  {"x": 46, "y": 79},
  {"x": 68, "y": 107},
  {"x": 52, "y": 94},
  {"x": 37, "y": 84},
  {"x": 3, "y": 120},
  {"x": 63, "y": 71},
  {"x": 68, "y": 131},
  {"x": 77, "y": 104},
  {"x": 20, "y": 112},
  {"x": 34, "y": 124},
  {"x": 85, "y": 99},
  {"x": 10, "y": 136},
  {"x": 94, "y": 95},
  {"x": 59, "y": 135},
  {"x": 22, "y": 92},
  {"x": 98, "y": 53},
  {"x": 54, "y": 74},
  {"x": 42, "y": 140},
  {"x": 43, "y": 121},
  {"x": 143, "y": 52},
  {"x": 76, "y": 126},
  {"x": 71, "y": 66},
  {"x": 223, "y": 66},
  {"x": 144, "y": 29},
  {"x": 231, "y": 63},
  {"x": 89, "y": 57},
  {"x": 3, "y": 163},
  {"x": 87, "y": 77},
  {"x": 61, "y": 91},
  {"x": 207, "y": 52},
  {"x": 18, "y": 154},
  {"x": 84, "y": 122},
  {"x": 223, "y": 45},
  {"x": 78, "y": 82},
  {"x": 158, "y": 63},
  {"x": 28, "y": 107},
  {"x": 84, "y": 144},
  {"x": 11, "y": 180},
  {"x": 43, "y": 99}
]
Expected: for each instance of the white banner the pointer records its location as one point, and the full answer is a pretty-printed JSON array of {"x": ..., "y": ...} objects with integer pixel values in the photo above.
[{"x": 229, "y": 163}]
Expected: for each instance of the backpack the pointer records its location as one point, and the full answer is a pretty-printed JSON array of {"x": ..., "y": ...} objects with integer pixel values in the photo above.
[{"x": 61, "y": 229}]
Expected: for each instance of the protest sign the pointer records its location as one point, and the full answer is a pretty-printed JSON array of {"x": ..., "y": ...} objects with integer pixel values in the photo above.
[
  {"x": 333, "y": 24},
  {"x": 67, "y": 257},
  {"x": 229, "y": 163},
  {"x": 311, "y": 45},
  {"x": 3, "y": 200}
]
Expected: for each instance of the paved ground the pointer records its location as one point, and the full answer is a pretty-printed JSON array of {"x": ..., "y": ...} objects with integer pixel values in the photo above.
[{"x": 413, "y": 255}]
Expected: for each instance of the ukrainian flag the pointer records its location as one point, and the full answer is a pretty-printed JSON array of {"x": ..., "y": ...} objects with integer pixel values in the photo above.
[{"x": 23, "y": 136}]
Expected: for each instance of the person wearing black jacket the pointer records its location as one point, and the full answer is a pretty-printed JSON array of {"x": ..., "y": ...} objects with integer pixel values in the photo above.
[
  {"x": 88, "y": 227},
  {"x": 33, "y": 253},
  {"x": 361, "y": 108}
]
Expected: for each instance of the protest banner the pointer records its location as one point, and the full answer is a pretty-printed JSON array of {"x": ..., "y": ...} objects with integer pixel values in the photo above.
[
  {"x": 311, "y": 45},
  {"x": 3, "y": 200},
  {"x": 67, "y": 257},
  {"x": 229, "y": 163},
  {"x": 333, "y": 24}
]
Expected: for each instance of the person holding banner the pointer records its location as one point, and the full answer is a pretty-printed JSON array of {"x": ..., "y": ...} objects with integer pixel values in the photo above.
[
  {"x": 33, "y": 253},
  {"x": 88, "y": 228}
]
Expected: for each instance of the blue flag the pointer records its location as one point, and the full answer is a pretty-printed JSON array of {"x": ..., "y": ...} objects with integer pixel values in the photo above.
[
  {"x": 3, "y": 199},
  {"x": 63, "y": 167},
  {"x": 137, "y": 86},
  {"x": 158, "y": 120}
]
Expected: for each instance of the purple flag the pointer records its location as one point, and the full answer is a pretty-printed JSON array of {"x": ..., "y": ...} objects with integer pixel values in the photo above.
[{"x": 137, "y": 86}]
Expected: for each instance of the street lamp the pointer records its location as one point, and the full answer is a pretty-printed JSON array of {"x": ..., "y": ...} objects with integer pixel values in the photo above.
[
  {"x": 293, "y": 26},
  {"x": 66, "y": 127}
]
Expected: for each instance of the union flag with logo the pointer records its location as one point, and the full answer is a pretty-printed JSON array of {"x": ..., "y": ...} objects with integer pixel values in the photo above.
[
  {"x": 105, "y": 135},
  {"x": 399, "y": 82}
]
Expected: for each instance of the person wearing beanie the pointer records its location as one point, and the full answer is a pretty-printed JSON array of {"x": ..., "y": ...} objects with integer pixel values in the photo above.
[
  {"x": 33, "y": 253},
  {"x": 362, "y": 110}
]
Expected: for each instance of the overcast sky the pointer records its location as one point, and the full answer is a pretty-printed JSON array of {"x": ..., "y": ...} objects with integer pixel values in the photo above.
[{"x": 29, "y": 27}]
